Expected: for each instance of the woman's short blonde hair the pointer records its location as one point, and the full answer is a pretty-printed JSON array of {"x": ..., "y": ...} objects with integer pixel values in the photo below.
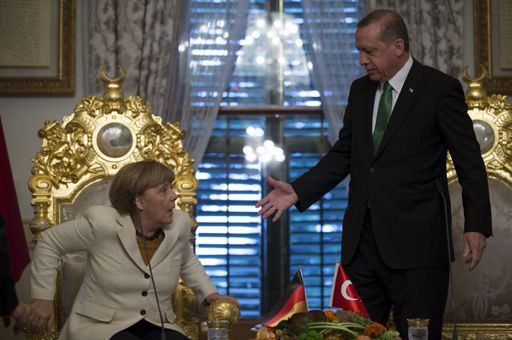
[{"x": 133, "y": 179}]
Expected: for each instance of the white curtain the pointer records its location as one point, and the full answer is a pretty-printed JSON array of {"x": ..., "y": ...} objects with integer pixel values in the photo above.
[
  {"x": 435, "y": 30},
  {"x": 137, "y": 35},
  {"x": 335, "y": 63},
  {"x": 206, "y": 62},
  {"x": 160, "y": 48}
]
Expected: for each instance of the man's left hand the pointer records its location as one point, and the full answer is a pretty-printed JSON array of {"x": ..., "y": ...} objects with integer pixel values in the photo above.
[{"x": 474, "y": 245}]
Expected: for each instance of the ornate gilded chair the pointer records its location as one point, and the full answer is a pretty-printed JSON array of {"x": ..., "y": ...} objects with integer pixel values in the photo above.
[
  {"x": 73, "y": 169},
  {"x": 483, "y": 298}
]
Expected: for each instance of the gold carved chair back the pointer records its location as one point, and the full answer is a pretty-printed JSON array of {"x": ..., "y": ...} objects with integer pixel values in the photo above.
[
  {"x": 483, "y": 297},
  {"x": 79, "y": 156}
]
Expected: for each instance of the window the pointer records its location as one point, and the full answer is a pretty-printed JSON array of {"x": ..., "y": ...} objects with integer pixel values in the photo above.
[
  {"x": 229, "y": 238},
  {"x": 246, "y": 257}
]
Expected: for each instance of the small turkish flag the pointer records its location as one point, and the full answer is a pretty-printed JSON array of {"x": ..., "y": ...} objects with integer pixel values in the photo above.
[{"x": 344, "y": 295}]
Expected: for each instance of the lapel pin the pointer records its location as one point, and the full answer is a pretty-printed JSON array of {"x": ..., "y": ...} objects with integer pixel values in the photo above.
[{"x": 411, "y": 90}]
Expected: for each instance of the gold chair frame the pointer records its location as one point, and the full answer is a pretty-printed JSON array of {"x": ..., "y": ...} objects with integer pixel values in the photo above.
[
  {"x": 75, "y": 155},
  {"x": 494, "y": 114}
]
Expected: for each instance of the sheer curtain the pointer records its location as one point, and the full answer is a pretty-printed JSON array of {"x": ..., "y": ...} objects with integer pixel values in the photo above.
[
  {"x": 137, "y": 35},
  {"x": 335, "y": 61},
  {"x": 200, "y": 77},
  {"x": 435, "y": 30},
  {"x": 157, "y": 43}
]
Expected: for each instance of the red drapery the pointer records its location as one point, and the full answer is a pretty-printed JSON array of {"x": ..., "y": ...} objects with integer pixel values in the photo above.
[{"x": 10, "y": 211}]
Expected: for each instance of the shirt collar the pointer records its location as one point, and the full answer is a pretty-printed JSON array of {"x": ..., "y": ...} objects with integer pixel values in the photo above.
[{"x": 398, "y": 80}]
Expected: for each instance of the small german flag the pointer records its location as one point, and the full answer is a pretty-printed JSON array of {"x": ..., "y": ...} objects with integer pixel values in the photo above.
[{"x": 292, "y": 301}]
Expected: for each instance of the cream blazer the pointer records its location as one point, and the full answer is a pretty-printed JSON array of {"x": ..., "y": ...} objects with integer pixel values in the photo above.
[{"x": 117, "y": 291}]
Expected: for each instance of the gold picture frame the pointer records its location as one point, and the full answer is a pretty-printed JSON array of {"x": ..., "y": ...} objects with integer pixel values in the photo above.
[
  {"x": 24, "y": 81},
  {"x": 486, "y": 35}
]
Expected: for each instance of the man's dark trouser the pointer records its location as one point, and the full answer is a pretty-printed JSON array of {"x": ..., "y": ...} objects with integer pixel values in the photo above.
[{"x": 411, "y": 293}]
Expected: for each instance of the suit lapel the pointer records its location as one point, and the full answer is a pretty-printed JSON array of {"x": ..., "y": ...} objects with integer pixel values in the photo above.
[
  {"x": 405, "y": 100},
  {"x": 367, "y": 112},
  {"x": 166, "y": 246},
  {"x": 128, "y": 239},
  {"x": 368, "y": 123}
]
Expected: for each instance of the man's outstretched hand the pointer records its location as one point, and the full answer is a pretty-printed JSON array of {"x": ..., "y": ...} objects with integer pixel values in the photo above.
[{"x": 278, "y": 200}]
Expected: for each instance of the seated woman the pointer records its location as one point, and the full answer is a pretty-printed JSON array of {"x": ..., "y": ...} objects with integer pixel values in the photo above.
[{"x": 137, "y": 250}]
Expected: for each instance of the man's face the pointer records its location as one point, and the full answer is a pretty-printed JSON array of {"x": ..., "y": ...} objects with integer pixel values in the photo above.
[{"x": 381, "y": 60}]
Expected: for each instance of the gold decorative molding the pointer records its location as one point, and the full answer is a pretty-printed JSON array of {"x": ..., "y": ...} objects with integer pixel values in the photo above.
[
  {"x": 484, "y": 38},
  {"x": 475, "y": 331},
  {"x": 492, "y": 115},
  {"x": 224, "y": 309},
  {"x": 72, "y": 156}
]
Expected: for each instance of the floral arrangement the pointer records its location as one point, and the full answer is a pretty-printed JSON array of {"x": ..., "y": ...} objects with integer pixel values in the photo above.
[{"x": 327, "y": 325}]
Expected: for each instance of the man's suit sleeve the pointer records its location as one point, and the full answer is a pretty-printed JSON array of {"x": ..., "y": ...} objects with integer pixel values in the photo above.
[
  {"x": 8, "y": 297},
  {"x": 332, "y": 168},
  {"x": 457, "y": 129}
]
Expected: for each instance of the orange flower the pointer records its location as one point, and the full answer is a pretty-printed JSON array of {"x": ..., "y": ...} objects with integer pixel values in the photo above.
[
  {"x": 265, "y": 333},
  {"x": 331, "y": 315},
  {"x": 374, "y": 329}
]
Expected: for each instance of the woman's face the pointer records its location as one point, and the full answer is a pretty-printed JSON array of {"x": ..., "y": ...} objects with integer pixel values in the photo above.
[{"x": 155, "y": 206}]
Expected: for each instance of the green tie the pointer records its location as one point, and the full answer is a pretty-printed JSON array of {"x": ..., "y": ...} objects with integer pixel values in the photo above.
[{"x": 383, "y": 113}]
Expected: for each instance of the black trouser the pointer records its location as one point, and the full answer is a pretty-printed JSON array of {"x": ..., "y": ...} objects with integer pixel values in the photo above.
[
  {"x": 144, "y": 330},
  {"x": 411, "y": 293}
]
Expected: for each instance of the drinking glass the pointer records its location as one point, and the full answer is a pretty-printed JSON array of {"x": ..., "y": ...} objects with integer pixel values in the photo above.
[
  {"x": 418, "y": 329},
  {"x": 217, "y": 329}
]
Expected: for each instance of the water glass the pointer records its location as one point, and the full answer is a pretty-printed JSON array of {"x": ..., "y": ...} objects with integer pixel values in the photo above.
[
  {"x": 418, "y": 329},
  {"x": 217, "y": 329}
]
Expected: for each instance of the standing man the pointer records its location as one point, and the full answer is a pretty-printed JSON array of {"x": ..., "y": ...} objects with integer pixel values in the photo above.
[
  {"x": 400, "y": 121},
  {"x": 10, "y": 306}
]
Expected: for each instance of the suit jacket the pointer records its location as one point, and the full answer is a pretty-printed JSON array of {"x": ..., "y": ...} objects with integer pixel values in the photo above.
[
  {"x": 117, "y": 291},
  {"x": 399, "y": 181},
  {"x": 8, "y": 298}
]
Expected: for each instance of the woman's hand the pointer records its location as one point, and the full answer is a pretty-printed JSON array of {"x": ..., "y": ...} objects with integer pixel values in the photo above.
[
  {"x": 20, "y": 314},
  {"x": 215, "y": 296},
  {"x": 41, "y": 316}
]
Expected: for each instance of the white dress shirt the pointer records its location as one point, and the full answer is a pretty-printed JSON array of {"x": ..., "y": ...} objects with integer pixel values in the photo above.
[{"x": 397, "y": 82}]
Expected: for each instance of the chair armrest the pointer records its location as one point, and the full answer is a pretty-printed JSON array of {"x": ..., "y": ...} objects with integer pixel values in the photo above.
[{"x": 223, "y": 309}]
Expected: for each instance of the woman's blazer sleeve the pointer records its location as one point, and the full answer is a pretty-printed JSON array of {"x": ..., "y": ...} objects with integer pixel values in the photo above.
[{"x": 67, "y": 237}]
